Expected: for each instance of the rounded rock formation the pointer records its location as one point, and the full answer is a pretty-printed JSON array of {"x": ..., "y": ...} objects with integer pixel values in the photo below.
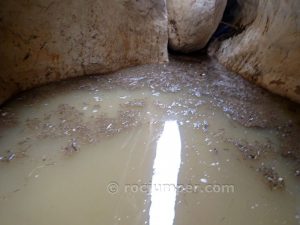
[{"x": 193, "y": 22}]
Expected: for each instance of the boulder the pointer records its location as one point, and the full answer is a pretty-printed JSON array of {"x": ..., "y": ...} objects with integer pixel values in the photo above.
[
  {"x": 193, "y": 22},
  {"x": 267, "y": 51},
  {"x": 46, "y": 40}
]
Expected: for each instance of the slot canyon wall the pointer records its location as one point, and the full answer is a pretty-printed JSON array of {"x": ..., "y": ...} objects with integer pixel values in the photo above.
[
  {"x": 48, "y": 40},
  {"x": 267, "y": 52}
]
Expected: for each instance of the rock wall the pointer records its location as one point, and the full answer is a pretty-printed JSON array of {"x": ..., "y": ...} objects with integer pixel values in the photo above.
[
  {"x": 48, "y": 40},
  {"x": 267, "y": 52},
  {"x": 193, "y": 22}
]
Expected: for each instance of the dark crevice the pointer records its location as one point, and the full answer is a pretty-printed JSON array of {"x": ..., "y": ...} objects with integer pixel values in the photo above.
[
  {"x": 199, "y": 53},
  {"x": 227, "y": 27}
]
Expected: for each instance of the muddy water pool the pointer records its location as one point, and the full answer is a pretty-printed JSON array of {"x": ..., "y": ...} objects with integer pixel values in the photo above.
[{"x": 179, "y": 143}]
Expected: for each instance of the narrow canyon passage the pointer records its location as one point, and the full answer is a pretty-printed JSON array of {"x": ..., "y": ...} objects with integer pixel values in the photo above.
[{"x": 185, "y": 142}]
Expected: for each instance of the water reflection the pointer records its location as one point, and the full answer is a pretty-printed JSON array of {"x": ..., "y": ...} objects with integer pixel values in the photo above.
[{"x": 166, "y": 167}]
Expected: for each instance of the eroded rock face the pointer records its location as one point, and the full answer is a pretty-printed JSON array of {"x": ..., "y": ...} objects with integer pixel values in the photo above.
[
  {"x": 268, "y": 50},
  {"x": 43, "y": 41},
  {"x": 193, "y": 22}
]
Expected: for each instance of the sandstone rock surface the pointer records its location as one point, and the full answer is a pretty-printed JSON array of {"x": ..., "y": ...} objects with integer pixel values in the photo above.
[
  {"x": 267, "y": 52},
  {"x": 49, "y": 40},
  {"x": 193, "y": 22}
]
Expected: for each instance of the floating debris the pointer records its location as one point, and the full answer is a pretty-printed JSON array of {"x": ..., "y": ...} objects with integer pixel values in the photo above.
[
  {"x": 72, "y": 147},
  {"x": 252, "y": 151},
  {"x": 134, "y": 103},
  {"x": 205, "y": 126},
  {"x": 272, "y": 178},
  {"x": 199, "y": 125},
  {"x": 11, "y": 156}
]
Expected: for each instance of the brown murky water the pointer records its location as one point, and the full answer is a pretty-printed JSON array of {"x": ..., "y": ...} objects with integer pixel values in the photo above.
[{"x": 181, "y": 143}]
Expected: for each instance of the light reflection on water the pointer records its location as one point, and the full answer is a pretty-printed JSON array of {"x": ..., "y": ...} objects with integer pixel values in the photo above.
[{"x": 165, "y": 171}]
